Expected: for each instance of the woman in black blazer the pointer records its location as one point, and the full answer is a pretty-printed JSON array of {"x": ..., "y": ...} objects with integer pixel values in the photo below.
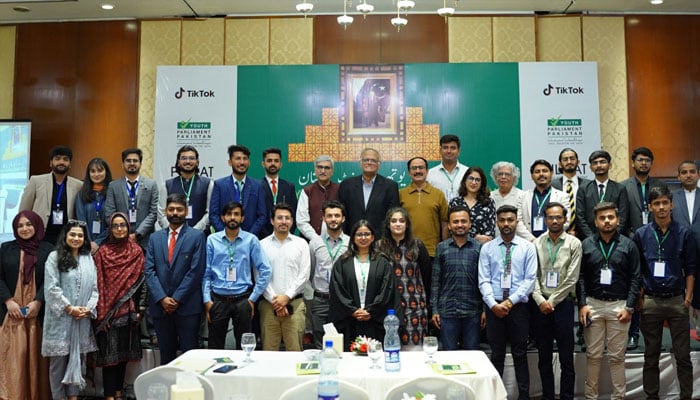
[{"x": 22, "y": 310}]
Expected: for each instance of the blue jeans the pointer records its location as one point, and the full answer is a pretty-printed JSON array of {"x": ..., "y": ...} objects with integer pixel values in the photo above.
[{"x": 465, "y": 330}]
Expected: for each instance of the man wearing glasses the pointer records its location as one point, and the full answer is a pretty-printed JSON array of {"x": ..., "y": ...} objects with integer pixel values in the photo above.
[
  {"x": 534, "y": 202},
  {"x": 197, "y": 190},
  {"x": 370, "y": 195},
  {"x": 309, "y": 214}
]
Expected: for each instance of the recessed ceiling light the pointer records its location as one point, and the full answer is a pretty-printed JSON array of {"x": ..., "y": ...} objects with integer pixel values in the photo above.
[
  {"x": 107, "y": 6},
  {"x": 656, "y": 2}
]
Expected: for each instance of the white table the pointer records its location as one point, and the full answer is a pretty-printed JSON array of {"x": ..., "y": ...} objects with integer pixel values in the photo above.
[{"x": 274, "y": 372}]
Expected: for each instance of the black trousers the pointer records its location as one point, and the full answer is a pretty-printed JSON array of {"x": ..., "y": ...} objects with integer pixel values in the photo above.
[
  {"x": 557, "y": 325},
  {"x": 514, "y": 326},
  {"x": 224, "y": 310},
  {"x": 113, "y": 379}
]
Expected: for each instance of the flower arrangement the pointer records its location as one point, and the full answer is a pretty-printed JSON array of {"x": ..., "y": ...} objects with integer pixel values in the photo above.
[
  {"x": 419, "y": 396},
  {"x": 361, "y": 345}
]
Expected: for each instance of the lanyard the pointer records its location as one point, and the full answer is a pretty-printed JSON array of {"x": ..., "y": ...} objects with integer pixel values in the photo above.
[
  {"x": 97, "y": 203},
  {"x": 606, "y": 256},
  {"x": 363, "y": 271},
  {"x": 448, "y": 178},
  {"x": 644, "y": 196},
  {"x": 132, "y": 194},
  {"x": 660, "y": 242},
  {"x": 60, "y": 193},
  {"x": 187, "y": 193},
  {"x": 337, "y": 249},
  {"x": 553, "y": 257},
  {"x": 544, "y": 201},
  {"x": 231, "y": 252}
]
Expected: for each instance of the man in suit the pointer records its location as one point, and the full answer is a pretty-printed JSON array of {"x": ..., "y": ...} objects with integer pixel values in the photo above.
[
  {"x": 239, "y": 188},
  {"x": 276, "y": 189},
  {"x": 686, "y": 210},
  {"x": 531, "y": 223},
  {"x": 599, "y": 190},
  {"x": 370, "y": 195},
  {"x": 52, "y": 195},
  {"x": 175, "y": 262},
  {"x": 135, "y": 196},
  {"x": 569, "y": 182}
]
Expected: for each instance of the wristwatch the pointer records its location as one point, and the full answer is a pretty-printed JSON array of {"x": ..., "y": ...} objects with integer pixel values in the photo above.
[{"x": 630, "y": 310}]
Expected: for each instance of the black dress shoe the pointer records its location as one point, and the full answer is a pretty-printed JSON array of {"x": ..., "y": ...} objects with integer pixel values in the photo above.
[{"x": 632, "y": 343}]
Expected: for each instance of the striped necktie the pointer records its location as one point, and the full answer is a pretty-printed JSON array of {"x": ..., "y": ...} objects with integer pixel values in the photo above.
[{"x": 572, "y": 204}]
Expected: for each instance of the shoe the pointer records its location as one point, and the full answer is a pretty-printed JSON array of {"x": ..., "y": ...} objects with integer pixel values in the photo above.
[{"x": 632, "y": 343}]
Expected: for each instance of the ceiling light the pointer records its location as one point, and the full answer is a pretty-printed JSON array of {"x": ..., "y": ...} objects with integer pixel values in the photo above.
[
  {"x": 345, "y": 19},
  {"x": 107, "y": 6},
  {"x": 365, "y": 8},
  {"x": 305, "y": 8},
  {"x": 404, "y": 5},
  {"x": 445, "y": 11},
  {"x": 398, "y": 22},
  {"x": 656, "y": 2}
]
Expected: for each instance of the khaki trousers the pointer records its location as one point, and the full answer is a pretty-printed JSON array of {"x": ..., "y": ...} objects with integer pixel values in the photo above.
[{"x": 274, "y": 329}]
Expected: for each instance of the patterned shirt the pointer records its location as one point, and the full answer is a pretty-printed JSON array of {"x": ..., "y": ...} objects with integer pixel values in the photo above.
[
  {"x": 483, "y": 217},
  {"x": 455, "y": 284}
]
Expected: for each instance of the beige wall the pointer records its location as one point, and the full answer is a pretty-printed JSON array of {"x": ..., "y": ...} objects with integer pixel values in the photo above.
[{"x": 7, "y": 70}]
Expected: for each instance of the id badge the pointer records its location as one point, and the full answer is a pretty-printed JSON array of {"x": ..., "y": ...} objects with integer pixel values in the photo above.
[
  {"x": 659, "y": 269},
  {"x": 57, "y": 217},
  {"x": 552, "y": 279},
  {"x": 506, "y": 280},
  {"x": 606, "y": 276},
  {"x": 189, "y": 212},
  {"x": 538, "y": 223},
  {"x": 645, "y": 217},
  {"x": 132, "y": 216},
  {"x": 96, "y": 227},
  {"x": 230, "y": 274}
]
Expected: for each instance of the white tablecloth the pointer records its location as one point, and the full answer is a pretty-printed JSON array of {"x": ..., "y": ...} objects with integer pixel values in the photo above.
[{"x": 274, "y": 372}]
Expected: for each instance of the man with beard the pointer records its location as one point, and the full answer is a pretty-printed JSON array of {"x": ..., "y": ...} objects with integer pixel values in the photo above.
[
  {"x": 325, "y": 249},
  {"x": 52, "y": 195},
  {"x": 599, "y": 190},
  {"x": 569, "y": 182},
  {"x": 534, "y": 202},
  {"x": 276, "y": 189},
  {"x": 687, "y": 210},
  {"x": 174, "y": 266},
  {"x": 240, "y": 188},
  {"x": 606, "y": 292},
  {"x": 197, "y": 190},
  {"x": 457, "y": 309},
  {"x": 228, "y": 290},
  {"x": 135, "y": 196},
  {"x": 507, "y": 273},
  {"x": 309, "y": 218}
]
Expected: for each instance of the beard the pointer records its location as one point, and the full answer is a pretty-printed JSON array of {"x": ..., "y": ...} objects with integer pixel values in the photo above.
[
  {"x": 232, "y": 224},
  {"x": 176, "y": 219}
]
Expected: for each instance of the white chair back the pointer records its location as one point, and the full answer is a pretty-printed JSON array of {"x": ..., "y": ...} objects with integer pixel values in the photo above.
[
  {"x": 160, "y": 379},
  {"x": 441, "y": 387},
  {"x": 308, "y": 391}
]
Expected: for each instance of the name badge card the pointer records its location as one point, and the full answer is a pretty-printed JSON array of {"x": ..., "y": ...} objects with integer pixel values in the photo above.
[
  {"x": 606, "y": 276},
  {"x": 645, "y": 217},
  {"x": 132, "y": 216},
  {"x": 659, "y": 269},
  {"x": 506, "y": 281},
  {"x": 57, "y": 217},
  {"x": 552, "y": 279},
  {"x": 538, "y": 223},
  {"x": 231, "y": 274},
  {"x": 96, "y": 228},
  {"x": 189, "y": 211}
]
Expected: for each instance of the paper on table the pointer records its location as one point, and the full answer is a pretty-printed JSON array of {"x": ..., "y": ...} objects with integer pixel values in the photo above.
[
  {"x": 453, "y": 369},
  {"x": 308, "y": 368},
  {"x": 198, "y": 366}
]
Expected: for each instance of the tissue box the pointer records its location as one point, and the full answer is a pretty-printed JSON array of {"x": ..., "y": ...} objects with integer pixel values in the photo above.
[
  {"x": 181, "y": 393},
  {"x": 337, "y": 342}
]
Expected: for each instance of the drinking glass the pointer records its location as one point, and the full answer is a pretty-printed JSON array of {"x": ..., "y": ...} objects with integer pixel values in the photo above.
[
  {"x": 375, "y": 352},
  {"x": 248, "y": 343},
  {"x": 430, "y": 347}
]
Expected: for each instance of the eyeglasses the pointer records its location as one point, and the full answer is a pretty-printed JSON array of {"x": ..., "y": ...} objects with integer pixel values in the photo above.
[
  {"x": 417, "y": 167},
  {"x": 474, "y": 179},
  {"x": 370, "y": 161},
  {"x": 132, "y": 160},
  {"x": 363, "y": 234},
  {"x": 643, "y": 160},
  {"x": 77, "y": 222},
  {"x": 120, "y": 226},
  {"x": 504, "y": 174},
  {"x": 188, "y": 158},
  {"x": 324, "y": 167},
  {"x": 555, "y": 217}
]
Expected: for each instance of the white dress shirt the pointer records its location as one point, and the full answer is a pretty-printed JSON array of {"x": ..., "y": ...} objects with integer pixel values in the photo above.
[{"x": 291, "y": 265}]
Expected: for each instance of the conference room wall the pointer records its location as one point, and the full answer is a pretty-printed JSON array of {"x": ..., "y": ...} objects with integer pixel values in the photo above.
[{"x": 7, "y": 70}]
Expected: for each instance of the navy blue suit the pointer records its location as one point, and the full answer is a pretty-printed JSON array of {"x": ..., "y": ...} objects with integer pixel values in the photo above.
[
  {"x": 384, "y": 196},
  {"x": 181, "y": 280},
  {"x": 286, "y": 193},
  {"x": 255, "y": 213}
]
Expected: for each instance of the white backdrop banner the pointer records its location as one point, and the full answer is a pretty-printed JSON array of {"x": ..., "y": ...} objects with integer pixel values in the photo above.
[
  {"x": 558, "y": 109},
  {"x": 195, "y": 106}
]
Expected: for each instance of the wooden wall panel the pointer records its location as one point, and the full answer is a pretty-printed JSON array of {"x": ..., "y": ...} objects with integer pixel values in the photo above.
[
  {"x": 373, "y": 40},
  {"x": 77, "y": 82},
  {"x": 663, "y": 70}
]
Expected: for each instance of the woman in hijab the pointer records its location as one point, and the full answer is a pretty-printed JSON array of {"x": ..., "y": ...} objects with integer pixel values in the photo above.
[
  {"x": 23, "y": 371},
  {"x": 71, "y": 301},
  {"x": 120, "y": 278}
]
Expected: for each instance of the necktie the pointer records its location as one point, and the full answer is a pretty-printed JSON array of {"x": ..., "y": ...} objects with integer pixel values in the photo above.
[
  {"x": 237, "y": 185},
  {"x": 274, "y": 187},
  {"x": 508, "y": 245},
  {"x": 171, "y": 246},
  {"x": 572, "y": 203},
  {"x": 601, "y": 191}
]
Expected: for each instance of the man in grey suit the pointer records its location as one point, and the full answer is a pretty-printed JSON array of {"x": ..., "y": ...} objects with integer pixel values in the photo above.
[
  {"x": 569, "y": 182},
  {"x": 135, "y": 196},
  {"x": 52, "y": 195},
  {"x": 686, "y": 210}
]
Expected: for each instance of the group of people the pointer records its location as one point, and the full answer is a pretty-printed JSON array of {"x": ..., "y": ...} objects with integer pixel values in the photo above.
[{"x": 92, "y": 259}]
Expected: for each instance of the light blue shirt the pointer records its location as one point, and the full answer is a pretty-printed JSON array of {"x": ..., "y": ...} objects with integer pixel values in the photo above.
[
  {"x": 367, "y": 188},
  {"x": 523, "y": 270},
  {"x": 247, "y": 254}
]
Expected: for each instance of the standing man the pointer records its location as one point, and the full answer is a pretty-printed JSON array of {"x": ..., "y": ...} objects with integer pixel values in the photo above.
[
  {"x": 370, "y": 195},
  {"x": 507, "y": 273},
  {"x": 687, "y": 210},
  {"x": 135, "y": 196},
  {"x": 282, "y": 314},
  {"x": 276, "y": 189},
  {"x": 606, "y": 292},
  {"x": 448, "y": 175},
  {"x": 569, "y": 182},
  {"x": 669, "y": 263},
  {"x": 532, "y": 223},
  {"x": 325, "y": 250},
  {"x": 52, "y": 195},
  {"x": 457, "y": 307},
  {"x": 559, "y": 256},
  {"x": 228, "y": 290},
  {"x": 197, "y": 190},
  {"x": 310, "y": 216},
  {"x": 241, "y": 189},
  {"x": 427, "y": 208},
  {"x": 599, "y": 190},
  {"x": 174, "y": 267}
]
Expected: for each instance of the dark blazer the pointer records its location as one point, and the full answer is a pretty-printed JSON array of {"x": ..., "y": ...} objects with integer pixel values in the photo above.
[
  {"x": 558, "y": 182},
  {"x": 680, "y": 215},
  {"x": 254, "y": 210},
  {"x": 635, "y": 203},
  {"x": 181, "y": 280},
  {"x": 9, "y": 274},
  {"x": 384, "y": 196},
  {"x": 587, "y": 197},
  {"x": 146, "y": 205},
  {"x": 286, "y": 193}
]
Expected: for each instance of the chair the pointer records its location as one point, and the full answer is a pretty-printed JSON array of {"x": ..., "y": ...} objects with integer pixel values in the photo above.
[
  {"x": 164, "y": 376},
  {"x": 441, "y": 387},
  {"x": 308, "y": 391}
]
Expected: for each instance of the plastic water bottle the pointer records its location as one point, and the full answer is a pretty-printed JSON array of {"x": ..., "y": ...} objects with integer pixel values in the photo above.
[
  {"x": 392, "y": 344},
  {"x": 328, "y": 388}
]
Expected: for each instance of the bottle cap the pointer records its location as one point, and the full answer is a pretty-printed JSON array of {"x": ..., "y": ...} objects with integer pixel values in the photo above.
[
  {"x": 329, "y": 343},
  {"x": 391, "y": 311}
]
